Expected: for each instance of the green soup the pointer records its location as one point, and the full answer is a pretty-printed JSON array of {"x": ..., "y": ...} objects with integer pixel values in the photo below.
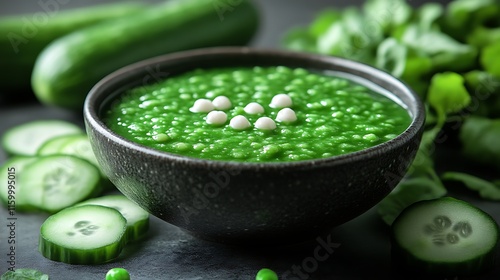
[{"x": 294, "y": 114}]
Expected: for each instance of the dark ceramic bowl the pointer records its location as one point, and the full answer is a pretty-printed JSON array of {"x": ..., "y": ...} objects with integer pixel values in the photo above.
[{"x": 249, "y": 203}]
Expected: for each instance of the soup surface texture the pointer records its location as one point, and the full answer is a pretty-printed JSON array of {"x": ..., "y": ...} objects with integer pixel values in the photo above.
[{"x": 257, "y": 114}]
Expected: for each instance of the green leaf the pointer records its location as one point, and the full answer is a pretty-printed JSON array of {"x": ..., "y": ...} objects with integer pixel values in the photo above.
[
  {"x": 24, "y": 274},
  {"x": 299, "y": 39},
  {"x": 388, "y": 14},
  {"x": 447, "y": 93},
  {"x": 445, "y": 52},
  {"x": 466, "y": 13},
  {"x": 416, "y": 73},
  {"x": 391, "y": 56},
  {"x": 486, "y": 189},
  {"x": 490, "y": 59},
  {"x": 353, "y": 37},
  {"x": 479, "y": 137},
  {"x": 481, "y": 36},
  {"x": 485, "y": 90},
  {"x": 323, "y": 21},
  {"x": 428, "y": 15},
  {"x": 406, "y": 193}
]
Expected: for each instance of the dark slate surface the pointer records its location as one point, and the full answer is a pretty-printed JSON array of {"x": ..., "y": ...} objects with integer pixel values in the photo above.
[{"x": 358, "y": 249}]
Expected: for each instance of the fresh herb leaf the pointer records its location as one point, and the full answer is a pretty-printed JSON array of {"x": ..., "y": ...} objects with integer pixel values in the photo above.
[
  {"x": 428, "y": 16},
  {"x": 485, "y": 90},
  {"x": 392, "y": 57},
  {"x": 323, "y": 21},
  {"x": 447, "y": 94},
  {"x": 463, "y": 16},
  {"x": 389, "y": 14},
  {"x": 486, "y": 189},
  {"x": 24, "y": 274},
  {"x": 299, "y": 39},
  {"x": 479, "y": 137},
  {"x": 354, "y": 37},
  {"x": 489, "y": 59},
  {"x": 481, "y": 36},
  {"x": 445, "y": 52}
]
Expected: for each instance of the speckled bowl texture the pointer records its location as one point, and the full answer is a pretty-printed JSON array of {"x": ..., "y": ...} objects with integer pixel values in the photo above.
[{"x": 250, "y": 203}]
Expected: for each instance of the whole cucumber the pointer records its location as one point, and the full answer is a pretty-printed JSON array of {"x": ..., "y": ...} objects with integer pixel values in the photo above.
[
  {"x": 23, "y": 37},
  {"x": 69, "y": 67}
]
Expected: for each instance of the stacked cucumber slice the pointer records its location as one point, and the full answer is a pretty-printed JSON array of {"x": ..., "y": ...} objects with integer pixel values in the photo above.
[
  {"x": 88, "y": 234},
  {"x": 137, "y": 218},
  {"x": 94, "y": 231},
  {"x": 54, "y": 166},
  {"x": 54, "y": 170}
]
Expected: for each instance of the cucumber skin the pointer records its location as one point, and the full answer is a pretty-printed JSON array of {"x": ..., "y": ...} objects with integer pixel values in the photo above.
[
  {"x": 19, "y": 60},
  {"x": 69, "y": 67},
  {"x": 404, "y": 261},
  {"x": 52, "y": 251}
]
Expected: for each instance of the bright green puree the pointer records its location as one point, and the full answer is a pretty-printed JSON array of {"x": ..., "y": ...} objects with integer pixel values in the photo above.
[{"x": 327, "y": 115}]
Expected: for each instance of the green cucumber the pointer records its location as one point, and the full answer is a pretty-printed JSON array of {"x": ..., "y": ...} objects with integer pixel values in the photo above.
[
  {"x": 12, "y": 193},
  {"x": 137, "y": 218},
  {"x": 445, "y": 237},
  {"x": 53, "y": 145},
  {"x": 24, "y": 36},
  {"x": 26, "y": 139},
  {"x": 88, "y": 234},
  {"x": 70, "y": 66},
  {"x": 73, "y": 144},
  {"x": 52, "y": 183}
]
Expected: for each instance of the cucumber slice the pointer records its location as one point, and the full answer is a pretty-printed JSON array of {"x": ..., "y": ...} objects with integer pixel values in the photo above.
[
  {"x": 76, "y": 145},
  {"x": 88, "y": 234},
  {"x": 445, "y": 236},
  {"x": 12, "y": 193},
  {"x": 137, "y": 218},
  {"x": 59, "y": 181},
  {"x": 53, "y": 146},
  {"x": 80, "y": 146},
  {"x": 27, "y": 138}
]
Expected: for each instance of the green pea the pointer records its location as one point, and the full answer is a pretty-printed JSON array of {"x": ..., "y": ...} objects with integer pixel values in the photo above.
[
  {"x": 117, "y": 274},
  {"x": 266, "y": 274}
]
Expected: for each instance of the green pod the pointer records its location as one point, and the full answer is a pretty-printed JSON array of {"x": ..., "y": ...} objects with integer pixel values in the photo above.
[
  {"x": 69, "y": 67},
  {"x": 24, "y": 36}
]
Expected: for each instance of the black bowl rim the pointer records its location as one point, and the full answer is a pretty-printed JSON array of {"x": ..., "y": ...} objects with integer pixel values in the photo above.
[{"x": 92, "y": 119}]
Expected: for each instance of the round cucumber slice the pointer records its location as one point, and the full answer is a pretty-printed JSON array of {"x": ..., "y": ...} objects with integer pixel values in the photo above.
[
  {"x": 445, "y": 236},
  {"x": 59, "y": 181},
  {"x": 87, "y": 234},
  {"x": 137, "y": 218},
  {"x": 26, "y": 139}
]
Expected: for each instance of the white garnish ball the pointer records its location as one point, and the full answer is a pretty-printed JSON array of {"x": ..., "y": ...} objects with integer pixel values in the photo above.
[
  {"x": 222, "y": 103},
  {"x": 286, "y": 115},
  {"x": 281, "y": 101},
  {"x": 239, "y": 123},
  {"x": 216, "y": 118},
  {"x": 254, "y": 108},
  {"x": 202, "y": 106},
  {"x": 265, "y": 123}
]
